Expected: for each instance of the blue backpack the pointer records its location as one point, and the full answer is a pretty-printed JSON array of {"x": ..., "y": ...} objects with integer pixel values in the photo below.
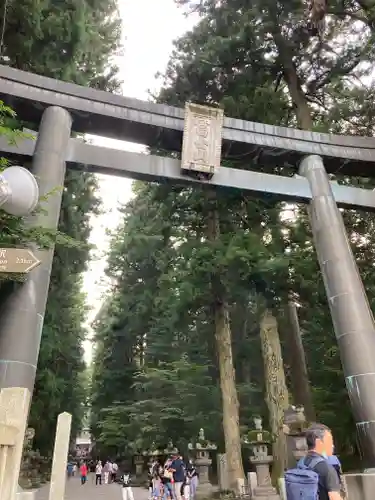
[{"x": 302, "y": 483}]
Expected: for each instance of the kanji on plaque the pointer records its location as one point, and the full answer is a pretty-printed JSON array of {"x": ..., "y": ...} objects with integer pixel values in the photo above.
[{"x": 201, "y": 150}]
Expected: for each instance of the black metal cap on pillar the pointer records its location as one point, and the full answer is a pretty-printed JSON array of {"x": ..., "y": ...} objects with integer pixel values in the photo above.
[{"x": 351, "y": 314}]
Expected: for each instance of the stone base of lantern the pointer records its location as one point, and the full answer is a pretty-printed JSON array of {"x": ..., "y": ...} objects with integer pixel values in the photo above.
[
  {"x": 264, "y": 489},
  {"x": 205, "y": 490},
  {"x": 265, "y": 492}
]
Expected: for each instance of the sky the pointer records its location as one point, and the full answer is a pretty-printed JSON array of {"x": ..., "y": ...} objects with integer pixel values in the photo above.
[{"x": 149, "y": 28}]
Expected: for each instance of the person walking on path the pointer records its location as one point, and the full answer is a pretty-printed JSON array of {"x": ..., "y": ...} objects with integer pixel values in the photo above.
[
  {"x": 150, "y": 482},
  {"x": 114, "y": 471},
  {"x": 192, "y": 474},
  {"x": 314, "y": 476},
  {"x": 127, "y": 490},
  {"x": 83, "y": 471},
  {"x": 107, "y": 469},
  {"x": 69, "y": 469},
  {"x": 178, "y": 469},
  {"x": 156, "y": 481},
  {"x": 98, "y": 473},
  {"x": 167, "y": 479}
]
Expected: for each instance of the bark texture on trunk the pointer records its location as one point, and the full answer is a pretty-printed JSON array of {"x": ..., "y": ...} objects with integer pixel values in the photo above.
[
  {"x": 292, "y": 80},
  {"x": 302, "y": 394},
  {"x": 231, "y": 421},
  {"x": 305, "y": 121},
  {"x": 223, "y": 337},
  {"x": 277, "y": 398}
]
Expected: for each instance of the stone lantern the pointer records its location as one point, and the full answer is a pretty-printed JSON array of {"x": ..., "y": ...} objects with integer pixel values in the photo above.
[
  {"x": 152, "y": 454},
  {"x": 170, "y": 449},
  {"x": 202, "y": 450},
  {"x": 295, "y": 429},
  {"x": 138, "y": 461},
  {"x": 259, "y": 442}
]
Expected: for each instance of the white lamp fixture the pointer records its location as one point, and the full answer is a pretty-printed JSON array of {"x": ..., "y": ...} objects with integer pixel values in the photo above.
[{"x": 19, "y": 192}]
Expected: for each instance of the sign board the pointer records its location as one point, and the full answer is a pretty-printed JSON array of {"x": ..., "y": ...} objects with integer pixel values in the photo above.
[
  {"x": 17, "y": 260},
  {"x": 201, "y": 147}
]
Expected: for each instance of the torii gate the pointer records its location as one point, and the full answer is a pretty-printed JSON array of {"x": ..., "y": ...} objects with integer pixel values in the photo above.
[{"x": 64, "y": 107}]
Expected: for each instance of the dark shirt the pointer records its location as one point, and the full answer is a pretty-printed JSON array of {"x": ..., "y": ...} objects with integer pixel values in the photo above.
[
  {"x": 191, "y": 471},
  {"x": 179, "y": 474},
  {"x": 126, "y": 480},
  {"x": 328, "y": 478}
]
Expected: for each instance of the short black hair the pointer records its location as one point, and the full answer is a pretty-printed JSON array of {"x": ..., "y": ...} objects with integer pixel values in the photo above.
[{"x": 314, "y": 432}]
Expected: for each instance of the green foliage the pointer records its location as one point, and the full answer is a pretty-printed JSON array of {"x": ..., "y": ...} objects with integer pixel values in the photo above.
[
  {"x": 261, "y": 63},
  {"x": 12, "y": 229},
  {"x": 73, "y": 41}
]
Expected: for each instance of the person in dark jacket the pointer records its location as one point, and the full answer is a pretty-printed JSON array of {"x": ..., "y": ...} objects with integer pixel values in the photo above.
[
  {"x": 127, "y": 490},
  {"x": 192, "y": 474}
]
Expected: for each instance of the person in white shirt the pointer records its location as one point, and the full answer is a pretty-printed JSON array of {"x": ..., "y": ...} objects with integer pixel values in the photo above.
[
  {"x": 98, "y": 473},
  {"x": 114, "y": 471},
  {"x": 107, "y": 471}
]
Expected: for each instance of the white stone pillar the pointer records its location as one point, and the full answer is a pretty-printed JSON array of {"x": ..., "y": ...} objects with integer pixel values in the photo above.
[
  {"x": 60, "y": 457},
  {"x": 14, "y": 407}
]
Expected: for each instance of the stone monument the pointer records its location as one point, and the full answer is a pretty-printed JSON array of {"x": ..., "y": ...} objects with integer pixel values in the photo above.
[
  {"x": 222, "y": 472},
  {"x": 202, "y": 449},
  {"x": 259, "y": 442}
]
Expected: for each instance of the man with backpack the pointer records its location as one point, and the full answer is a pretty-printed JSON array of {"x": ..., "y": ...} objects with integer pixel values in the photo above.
[{"x": 314, "y": 478}]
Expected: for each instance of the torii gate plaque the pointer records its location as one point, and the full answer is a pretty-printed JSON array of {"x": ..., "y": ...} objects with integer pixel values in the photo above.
[{"x": 105, "y": 114}]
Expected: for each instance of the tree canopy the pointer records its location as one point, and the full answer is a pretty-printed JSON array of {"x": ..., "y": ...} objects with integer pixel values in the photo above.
[
  {"x": 188, "y": 265},
  {"x": 73, "y": 41}
]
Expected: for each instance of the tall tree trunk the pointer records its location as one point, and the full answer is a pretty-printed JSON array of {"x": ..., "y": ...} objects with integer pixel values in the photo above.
[
  {"x": 305, "y": 121},
  {"x": 277, "y": 398},
  {"x": 291, "y": 78},
  {"x": 295, "y": 355},
  {"x": 231, "y": 420},
  {"x": 297, "y": 360}
]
